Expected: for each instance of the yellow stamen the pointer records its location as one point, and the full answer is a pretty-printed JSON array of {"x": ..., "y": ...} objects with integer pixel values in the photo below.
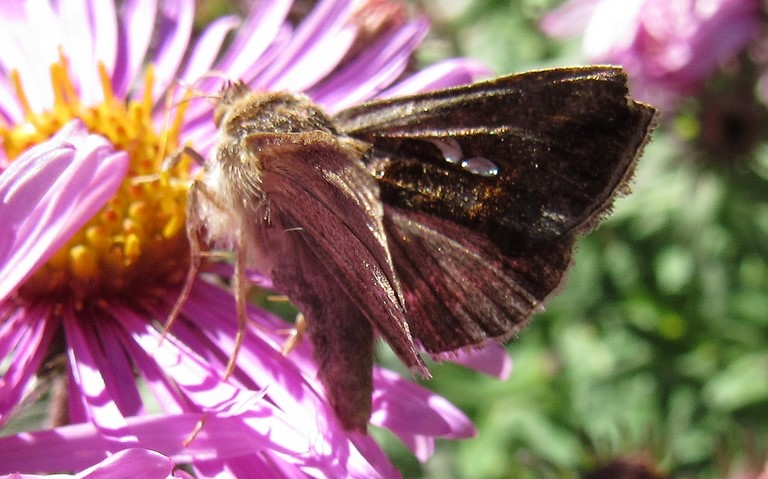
[
  {"x": 106, "y": 85},
  {"x": 20, "y": 95},
  {"x": 137, "y": 238}
]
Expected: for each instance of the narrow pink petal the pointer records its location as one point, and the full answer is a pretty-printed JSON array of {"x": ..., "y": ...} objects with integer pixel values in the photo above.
[
  {"x": 31, "y": 349},
  {"x": 568, "y": 20},
  {"x": 374, "y": 69},
  {"x": 415, "y": 414},
  {"x": 254, "y": 47},
  {"x": 49, "y": 193},
  {"x": 315, "y": 63},
  {"x": 117, "y": 367},
  {"x": 208, "y": 46},
  {"x": 188, "y": 369},
  {"x": 256, "y": 34},
  {"x": 137, "y": 24},
  {"x": 204, "y": 387},
  {"x": 105, "y": 33},
  {"x": 77, "y": 410},
  {"x": 172, "y": 39},
  {"x": 325, "y": 34},
  {"x": 89, "y": 35},
  {"x": 491, "y": 359},
  {"x": 374, "y": 455},
  {"x": 10, "y": 108},
  {"x": 30, "y": 37},
  {"x": 248, "y": 466},
  {"x": 281, "y": 40},
  {"x": 444, "y": 74},
  {"x": 129, "y": 464},
  {"x": 78, "y": 446},
  {"x": 162, "y": 387},
  {"x": 78, "y": 43},
  {"x": 213, "y": 308},
  {"x": 100, "y": 406},
  {"x": 15, "y": 322}
]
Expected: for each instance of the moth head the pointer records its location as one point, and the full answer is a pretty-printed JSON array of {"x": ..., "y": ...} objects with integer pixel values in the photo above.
[{"x": 231, "y": 92}]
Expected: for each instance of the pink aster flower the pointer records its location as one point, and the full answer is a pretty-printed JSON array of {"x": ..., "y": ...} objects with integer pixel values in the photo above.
[
  {"x": 93, "y": 251},
  {"x": 669, "y": 47}
]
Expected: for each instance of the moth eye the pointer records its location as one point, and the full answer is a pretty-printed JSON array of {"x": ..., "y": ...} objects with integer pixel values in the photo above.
[{"x": 480, "y": 166}]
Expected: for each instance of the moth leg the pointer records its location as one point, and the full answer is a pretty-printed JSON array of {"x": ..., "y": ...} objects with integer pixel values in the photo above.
[
  {"x": 241, "y": 261},
  {"x": 241, "y": 294},
  {"x": 294, "y": 335},
  {"x": 174, "y": 159},
  {"x": 196, "y": 430},
  {"x": 194, "y": 227}
]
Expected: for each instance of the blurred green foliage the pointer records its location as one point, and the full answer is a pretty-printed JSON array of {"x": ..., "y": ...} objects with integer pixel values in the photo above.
[{"x": 657, "y": 346}]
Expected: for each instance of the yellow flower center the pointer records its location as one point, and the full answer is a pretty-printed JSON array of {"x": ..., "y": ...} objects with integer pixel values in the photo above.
[{"x": 137, "y": 238}]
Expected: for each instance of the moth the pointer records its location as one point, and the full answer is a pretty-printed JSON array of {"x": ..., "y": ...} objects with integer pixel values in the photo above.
[{"x": 437, "y": 221}]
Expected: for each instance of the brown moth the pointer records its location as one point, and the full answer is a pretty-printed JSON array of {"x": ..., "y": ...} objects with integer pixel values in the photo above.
[{"x": 438, "y": 221}]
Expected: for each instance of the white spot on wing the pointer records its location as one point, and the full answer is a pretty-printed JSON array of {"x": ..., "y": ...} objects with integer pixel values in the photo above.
[
  {"x": 450, "y": 149},
  {"x": 480, "y": 166},
  {"x": 452, "y": 153}
]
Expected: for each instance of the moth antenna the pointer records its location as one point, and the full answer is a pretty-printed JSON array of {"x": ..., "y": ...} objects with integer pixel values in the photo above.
[
  {"x": 198, "y": 93},
  {"x": 173, "y": 125}
]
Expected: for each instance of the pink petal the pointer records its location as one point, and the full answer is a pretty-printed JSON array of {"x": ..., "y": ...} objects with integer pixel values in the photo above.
[
  {"x": 259, "y": 33},
  {"x": 89, "y": 35},
  {"x": 9, "y": 107},
  {"x": 78, "y": 446},
  {"x": 372, "y": 70},
  {"x": 318, "y": 44},
  {"x": 83, "y": 352},
  {"x": 568, "y": 20},
  {"x": 256, "y": 34},
  {"x": 415, "y": 414},
  {"x": 138, "y": 23},
  {"x": 105, "y": 33},
  {"x": 448, "y": 73},
  {"x": 48, "y": 194},
  {"x": 129, "y": 464},
  {"x": 491, "y": 359},
  {"x": 30, "y": 38},
  {"x": 207, "y": 47},
  {"x": 31, "y": 348},
  {"x": 117, "y": 367},
  {"x": 171, "y": 41}
]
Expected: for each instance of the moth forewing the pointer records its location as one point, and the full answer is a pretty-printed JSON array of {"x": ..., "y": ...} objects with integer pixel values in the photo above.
[
  {"x": 477, "y": 254},
  {"x": 294, "y": 200}
]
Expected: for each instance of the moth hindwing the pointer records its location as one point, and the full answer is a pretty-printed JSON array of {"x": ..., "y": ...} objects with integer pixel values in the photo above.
[{"x": 439, "y": 221}]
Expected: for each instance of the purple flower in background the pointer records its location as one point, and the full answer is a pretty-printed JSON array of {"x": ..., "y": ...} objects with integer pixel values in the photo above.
[
  {"x": 669, "y": 47},
  {"x": 93, "y": 251}
]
